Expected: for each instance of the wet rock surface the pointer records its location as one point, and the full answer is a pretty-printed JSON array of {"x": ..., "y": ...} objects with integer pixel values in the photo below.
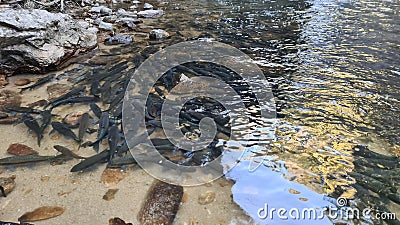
[
  {"x": 37, "y": 41},
  {"x": 161, "y": 205}
]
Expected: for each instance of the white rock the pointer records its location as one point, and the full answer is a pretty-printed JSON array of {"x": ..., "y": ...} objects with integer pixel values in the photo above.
[
  {"x": 105, "y": 26},
  {"x": 147, "y": 6},
  {"x": 151, "y": 13}
]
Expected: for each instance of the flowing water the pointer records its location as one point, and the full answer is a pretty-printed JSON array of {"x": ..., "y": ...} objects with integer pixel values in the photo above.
[{"x": 334, "y": 71}]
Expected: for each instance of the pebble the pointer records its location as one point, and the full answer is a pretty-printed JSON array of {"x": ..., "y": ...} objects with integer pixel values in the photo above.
[
  {"x": 206, "y": 198},
  {"x": 8, "y": 183},
  {"x": 22, "y": 82},
  {"x": 105, "y": 26},
  {"x": 158, "y": 34},
  {"x": 118, "y": 40},
  {"x": 20, "y": 149},
  {"x": 9, "y": 120},
  {"x": 110, "y": 194},
  {"x": 101, "y": 9},
  {"x": 117, "y": 221},
  {"x": 128, "y": 21},
  {"x": 42, "y": 213},
  {"x": 3, "y": 80},
  {"x": 151, "y": 13},
  {"x": 112, "y": 177},
  {"x": 147, "y": 6},
  {"x": 73, "y": 118},
  {"x": 9, "y": 98}
]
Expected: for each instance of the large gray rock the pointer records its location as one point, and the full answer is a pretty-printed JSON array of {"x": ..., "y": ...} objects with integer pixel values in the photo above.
[{"x": 36, "y": 40}]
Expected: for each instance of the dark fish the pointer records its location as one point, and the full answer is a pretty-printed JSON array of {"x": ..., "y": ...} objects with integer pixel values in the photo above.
[
  {"x": 19, "y": 109},
  {"x": 116, "y": 100},
  {"x": 33, "y": 125},
  {"x": 91, "y": 161},
  {"x": 83, "y": 125},
  {"x": 113, "y": 139},
  {"x": 25, "y": 159},
  {"x": 38, "y": 83},
  {"x": 104, "y": 123},
  {"x": 95, "y": 88},
  {"x": 66, "y": 95},
  {"x": 62, "y": 129},
  {"x": 121, "y": 161},
  {"x": 67, "y": 153},
  {"x": 73, "y": 100},
  {"x": 46, "y": 118},
  {"x": 95, "y": 109}
]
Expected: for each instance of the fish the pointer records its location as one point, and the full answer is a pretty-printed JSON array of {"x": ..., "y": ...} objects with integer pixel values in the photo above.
[
  {"x": 69, "y": 94},
  {"x": 20, "y": 109},
  {"x": 62, "y": 129},
  {"x": 104, "y": 123},
  {"x": 39, "y": 83},
  {"x": 67, "y": 153},
  {"x": 12, "y": 160},
  {"x": 113, "y": 139},
  {"x": 11, "y": 223},
  {"x": 46, "y": 118},
  {"x": 116, "y": 100},
  {"x": 91, "y": 161},
  {"x": 75, "y": 99},
  {"x": 121, "y": 161},
  {"x": 83, "y": 125},
  {"x": 33, "y": 125},
  {"x": 95, "y": 109}
]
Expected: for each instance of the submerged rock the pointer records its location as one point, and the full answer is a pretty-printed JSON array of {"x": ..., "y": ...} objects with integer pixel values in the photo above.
[
  {"x": 158, "y": 34},
  {"x": 117, "y": 221},
  {"x": 147, "y": 6},
  {"x": 20, "y": 149},
  {"x": 118, "y": 40},
  {"x": 42, "y": 213},
  {"x": 151, "y": 13},
  {"x": 101, "y": 9},
  {"x": 106, "y": 26},
  {"x": 8, "y": 184},
  {"x": 37, "y": 41},
  {"x": 161, "y": 205},
  {"x": 22, "y": 82},
  {"x": 9, "y": 98}
]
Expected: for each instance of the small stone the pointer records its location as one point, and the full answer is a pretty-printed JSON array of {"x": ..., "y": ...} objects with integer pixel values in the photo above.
[
  {"x": 151, "y": 13},
  {"x": 101, "y": 9},
  {"x": 37, "y": 103},
  {"x": 20, "y": 149},
  {"x": 105, "y": 26},
  {"x": 129, "y": 22},
  {"x": 117, "y": 221},
  {"x": 22, "y": 82},
  {"x": 118, "y": 40},
  {"x": 112, "y": 177},
  {"x": 124, "y": 13},
  {"x": 73, "y": 118},
  {"x": 147, "y": 6},
  {"x": 110, "y": 194},
  {"x": 41, "y": 213},
  {"x": 3, "y": 80},
  {"x": 295, "y": 192},
  {"x": 158, "y": 34},
  {"x": 9, "y": 98},
  {"x": 110, "y": 19},
  {"x": 8, "y": 184},
  {"x": 206, "y": 198},
  {"x": 45, "y": 178}
]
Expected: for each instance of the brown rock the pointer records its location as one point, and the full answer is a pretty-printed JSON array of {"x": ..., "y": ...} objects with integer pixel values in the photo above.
[
  {"x": 42, "y": 213},
  {"x": 8, "y": 184},
  {"x": 110, "y": 194},
  {"x": 111, "y": 177},
  {"x": 9, "y": 98},
  {"x": 37, "y": 103},
  {"x": 117, "y": 221},
  {"x": 22, "y": 82},
  {"x": 3, "y": 80},
  {"x": 20, "y": 149},
  {"x": 161, "y": 205},
  {"x": 73, "y": 118}
]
